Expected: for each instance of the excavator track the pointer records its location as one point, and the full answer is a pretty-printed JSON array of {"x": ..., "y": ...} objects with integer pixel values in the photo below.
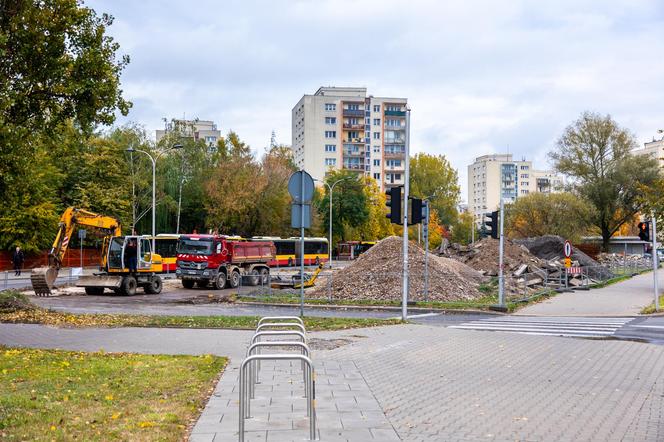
[{"x": 43, "y": 279}]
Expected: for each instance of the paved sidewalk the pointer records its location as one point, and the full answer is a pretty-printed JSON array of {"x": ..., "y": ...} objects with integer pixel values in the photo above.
[
  {"x": 440, "y": 384},
  {"x": 625, "y": 298}
]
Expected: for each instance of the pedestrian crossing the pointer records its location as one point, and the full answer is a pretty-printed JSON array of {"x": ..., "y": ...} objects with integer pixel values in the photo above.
[{"x": 581, "y": 327}]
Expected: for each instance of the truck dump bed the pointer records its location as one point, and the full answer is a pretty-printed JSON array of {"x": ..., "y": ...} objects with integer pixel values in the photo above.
[{"x": 251, "y": 251}]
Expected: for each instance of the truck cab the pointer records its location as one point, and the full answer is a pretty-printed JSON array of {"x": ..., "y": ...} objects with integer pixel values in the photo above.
[{"x": 222, "y": 261}]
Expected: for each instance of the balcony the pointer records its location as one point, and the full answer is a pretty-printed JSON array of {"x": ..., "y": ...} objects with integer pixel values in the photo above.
[
  {"x": 388, "y": 127},
  {"x": 353, "y": 153},
  {"x": 354, "y": 166},
  {"x": 395, "y": 140},
  {"x": 392, "y": 113},
  {"x": 348, "y": 126},
  {"x": 353, "y": 113},
  {"x": 395, "y": 154},
  {"x": 357, "y": 141}
]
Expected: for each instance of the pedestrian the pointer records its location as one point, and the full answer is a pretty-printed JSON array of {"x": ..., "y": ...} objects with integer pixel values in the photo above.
[
  {"x": 131, "y": 252},
  {"x": 18, "y": 258}
]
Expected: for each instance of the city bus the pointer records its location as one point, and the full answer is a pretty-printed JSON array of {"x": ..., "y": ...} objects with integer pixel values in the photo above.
[
  {"x": 352, "y": 249},
  {"x": 288, "y": 250},
  {"x": 166, "y": 245}
]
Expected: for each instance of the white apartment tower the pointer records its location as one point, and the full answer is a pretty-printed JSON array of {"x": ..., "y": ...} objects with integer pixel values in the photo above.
[
  {"x": 653, "y": 149},
  {"x": 491, "y": 176},
  {"x": 343, "y": 128},
  {"x": 197, "y": 129}
]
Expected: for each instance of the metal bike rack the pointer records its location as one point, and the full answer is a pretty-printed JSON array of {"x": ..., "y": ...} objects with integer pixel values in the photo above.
[
  {"x": 280, "y": 318},
  {"x": 311, "y": 404},
  {"x": 253, "y": 370},
  {"x": 299, "y": 334},
  {"x": 281, "y": 325}
]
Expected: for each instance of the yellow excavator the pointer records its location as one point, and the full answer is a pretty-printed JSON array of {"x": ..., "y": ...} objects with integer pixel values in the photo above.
[{"x": 117, "y": 253}]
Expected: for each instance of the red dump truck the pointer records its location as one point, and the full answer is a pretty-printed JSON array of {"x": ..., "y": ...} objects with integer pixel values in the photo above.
[{"x": 221, "y": 261}]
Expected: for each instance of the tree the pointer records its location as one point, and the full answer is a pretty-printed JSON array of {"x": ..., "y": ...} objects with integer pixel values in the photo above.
[
  {"x": 433, "y": 176},
  {"x": 563, "y": 214},
  {"x": 376, "y": 226},
  {"x": 350, "y": 205},
  {"x": 273, "y": 202},
  {"x": 596, "y": 154},
  {"x": 462, "y": 229},
  {"x": 57, "y": 66}
]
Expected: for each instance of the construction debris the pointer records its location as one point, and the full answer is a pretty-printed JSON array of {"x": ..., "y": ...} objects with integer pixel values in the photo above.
[{"x": 377, "y": 275}]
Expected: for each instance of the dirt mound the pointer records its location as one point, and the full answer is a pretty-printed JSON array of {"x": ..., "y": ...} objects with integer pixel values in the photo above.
[
  {"x": 14, "y": 301},
  {"x": 483, "y": 256},
  {"x": 377, "y": 275}
]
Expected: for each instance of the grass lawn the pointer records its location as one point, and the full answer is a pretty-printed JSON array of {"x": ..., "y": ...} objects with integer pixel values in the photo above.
[{"x": 64, "y": 395}]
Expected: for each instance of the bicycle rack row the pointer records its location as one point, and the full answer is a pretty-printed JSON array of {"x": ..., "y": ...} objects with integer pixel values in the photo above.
[{"x": 295, "y": 334}]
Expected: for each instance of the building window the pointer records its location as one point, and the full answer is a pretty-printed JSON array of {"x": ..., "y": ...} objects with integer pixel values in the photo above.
[
  {"x": 524, "y": 183},
  {"x": 330, "y": 107},
  {"x": 330, "y": 161},
  {"x": 330, "y": 134},
  {"x": 394, "y": 163},
  {"x": 376, "y": 121},
  {"x": 376, "y": 107},
  {"x": 524, "y": 175},
  {"x": 330, "y": 148},
  {"x": 394, "y": 108},
  {"x": 524, "y": 167},
  {"x": 376, "y": 149},
  {"x": 352, "y": 135},
  {"x": 377, "y": 163},
  {"x": 376, "y": 176},
  {"x": 524, "y": 192},
  {"x": 330, "y": 120},
  {"x": 353, "y": 107},
  {"x": 367, "y": 121},
  {"x": 376, "y": 136},
  {"x": 397, "y": 176}
]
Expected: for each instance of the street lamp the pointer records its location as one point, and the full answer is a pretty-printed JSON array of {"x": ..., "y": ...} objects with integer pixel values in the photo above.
[
  {"x": 331, "y": 189},
  {"x": 177, "y": 227},
  {"x": 154, "y": 188}
]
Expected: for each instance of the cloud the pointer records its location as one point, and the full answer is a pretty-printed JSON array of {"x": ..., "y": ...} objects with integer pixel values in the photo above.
[{"x": 480, "y": 75}]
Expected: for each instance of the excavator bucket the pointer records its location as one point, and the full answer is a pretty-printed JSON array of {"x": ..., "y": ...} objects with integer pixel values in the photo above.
[{"x": 43, "y": 279}]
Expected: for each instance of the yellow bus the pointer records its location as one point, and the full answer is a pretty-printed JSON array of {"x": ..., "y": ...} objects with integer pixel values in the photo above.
[
  {"x": 166, "y": 245},
  {"x": 288, "y": 250}
]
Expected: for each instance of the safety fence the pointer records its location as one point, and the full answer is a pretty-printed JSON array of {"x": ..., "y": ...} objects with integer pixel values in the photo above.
[{"x": 289, "y": 334}]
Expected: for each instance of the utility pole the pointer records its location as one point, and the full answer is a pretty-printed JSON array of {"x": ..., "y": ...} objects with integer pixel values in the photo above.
[
  {"x": 426, "y": 250},
  {"x": 501, "y": 278},
  {"x": 404, "y": 296},
  {"x": 655, "y": 259}
]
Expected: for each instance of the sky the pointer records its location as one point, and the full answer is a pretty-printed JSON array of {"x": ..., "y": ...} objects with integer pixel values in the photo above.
[{"x": 481, "y": 76}]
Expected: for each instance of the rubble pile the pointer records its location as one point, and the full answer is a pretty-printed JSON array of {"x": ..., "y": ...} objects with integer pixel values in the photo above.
[
  {"x": 551, "y": 249},
  {"x": 377, "y": 275},
  {"x": 619, "y": 259}
]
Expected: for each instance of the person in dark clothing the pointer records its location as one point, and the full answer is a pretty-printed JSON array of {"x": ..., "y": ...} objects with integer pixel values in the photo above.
[
  {"x": 131, "y": 252},
  {"x": 18, "y": 258}
]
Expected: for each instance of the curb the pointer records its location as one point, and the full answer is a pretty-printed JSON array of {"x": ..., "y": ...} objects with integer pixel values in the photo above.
[{"x": 373, "y": 307}]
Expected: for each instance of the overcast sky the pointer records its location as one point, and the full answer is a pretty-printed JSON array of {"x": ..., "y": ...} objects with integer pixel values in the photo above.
[{"x": 481, "y": 76}]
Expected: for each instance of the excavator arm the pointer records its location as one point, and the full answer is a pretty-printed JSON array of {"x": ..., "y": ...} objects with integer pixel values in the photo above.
[{"x": 43, "y": 278}]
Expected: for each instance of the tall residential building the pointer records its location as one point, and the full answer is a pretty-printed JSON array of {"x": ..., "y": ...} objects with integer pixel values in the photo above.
[
  {"x": 491, "y": 176},
  {"x": 197, "y": 129},
  {"x": 654, "y": 149},
  {"x": 343, "y": 128}
]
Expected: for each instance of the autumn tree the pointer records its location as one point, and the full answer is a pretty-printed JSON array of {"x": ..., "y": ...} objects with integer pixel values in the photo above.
[
  {"x": 350, "y": 207},
  {"x": 563, "y": 214},
  {"x": 462, "y": 229},
  {"x": 377, "y": 225},
  {"x": 433, "y": 176},
  {"x": 595, "y": 152}
]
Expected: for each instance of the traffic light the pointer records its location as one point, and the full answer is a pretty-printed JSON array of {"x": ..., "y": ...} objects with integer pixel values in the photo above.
[
  {"x": 644, "y": 230},
  {"x": 394, "y": 203},
  {"x": 493, "y": 224},
  {"x": 416, "y": 211}
]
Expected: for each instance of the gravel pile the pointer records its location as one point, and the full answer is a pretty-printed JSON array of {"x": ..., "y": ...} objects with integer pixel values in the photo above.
[
  {"x": 377, "y": 275},
  {"x": 483, "y": 256}
]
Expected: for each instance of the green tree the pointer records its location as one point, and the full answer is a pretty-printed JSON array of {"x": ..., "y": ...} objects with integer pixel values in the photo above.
[
  {"x": 433, "y": 176},
  {"x": 376, "y": 226},
  {"x": 462, "y": 229},
  {"x": 350, "y": 205},
  {"x": 273, "y": 202},
  {"x": 596, "y": 154},
  {"x": 57, "y": 66},
  {"x": 563, "y": 214}
]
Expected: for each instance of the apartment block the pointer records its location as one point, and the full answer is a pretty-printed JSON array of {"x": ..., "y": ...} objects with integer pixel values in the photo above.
[
  {"x": 493, "y": 176},
  {"x": 205, "y": 130},
  {"x": 343, "y": 128},
  {"x": 654, "y": 149}
]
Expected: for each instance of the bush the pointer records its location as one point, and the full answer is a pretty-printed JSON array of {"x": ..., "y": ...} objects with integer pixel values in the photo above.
[{"x": 14, "y": 301}]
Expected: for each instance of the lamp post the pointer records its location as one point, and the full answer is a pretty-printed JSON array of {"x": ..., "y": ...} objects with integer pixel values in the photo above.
[
  {"x": 331, "y": 189},
  {"x": 154, "y": 188},
  {"x": 177, "y": 226}
]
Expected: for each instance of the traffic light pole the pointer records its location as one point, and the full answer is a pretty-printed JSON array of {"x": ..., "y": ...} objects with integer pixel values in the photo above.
[
  {"x": 655, "y": 259},
  {"x": 426, "y": 251},
  {"x": 501, "y": 278},
  {"x": 404, "y": 296}
]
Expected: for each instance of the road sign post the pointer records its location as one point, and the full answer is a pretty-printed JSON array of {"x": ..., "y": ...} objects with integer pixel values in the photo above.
[
  {"x": 501, "y": 278},
  {"x": 655, "y": 259},
  {"x": 425, "y": 228},
  {"x": 301, "y": 189},
  {"x": 567, "y": 248}
]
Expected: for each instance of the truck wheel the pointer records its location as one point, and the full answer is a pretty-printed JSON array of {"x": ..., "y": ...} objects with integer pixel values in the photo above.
[
  {"x": 220, "y": 281},
  {"x": 234, "y": 280},
  {"x": 94, "y": 291},
  {"x": 188, "y": 283},
  {"x": 265, "y": 276},
  {"x": 129, "y": 285},
  {"x": 154, "y": 286},
  {"x": 254, "y": 277}
]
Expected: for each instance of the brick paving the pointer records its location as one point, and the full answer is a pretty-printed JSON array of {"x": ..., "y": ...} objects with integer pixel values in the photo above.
[{"x": 431, "y": 383}]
